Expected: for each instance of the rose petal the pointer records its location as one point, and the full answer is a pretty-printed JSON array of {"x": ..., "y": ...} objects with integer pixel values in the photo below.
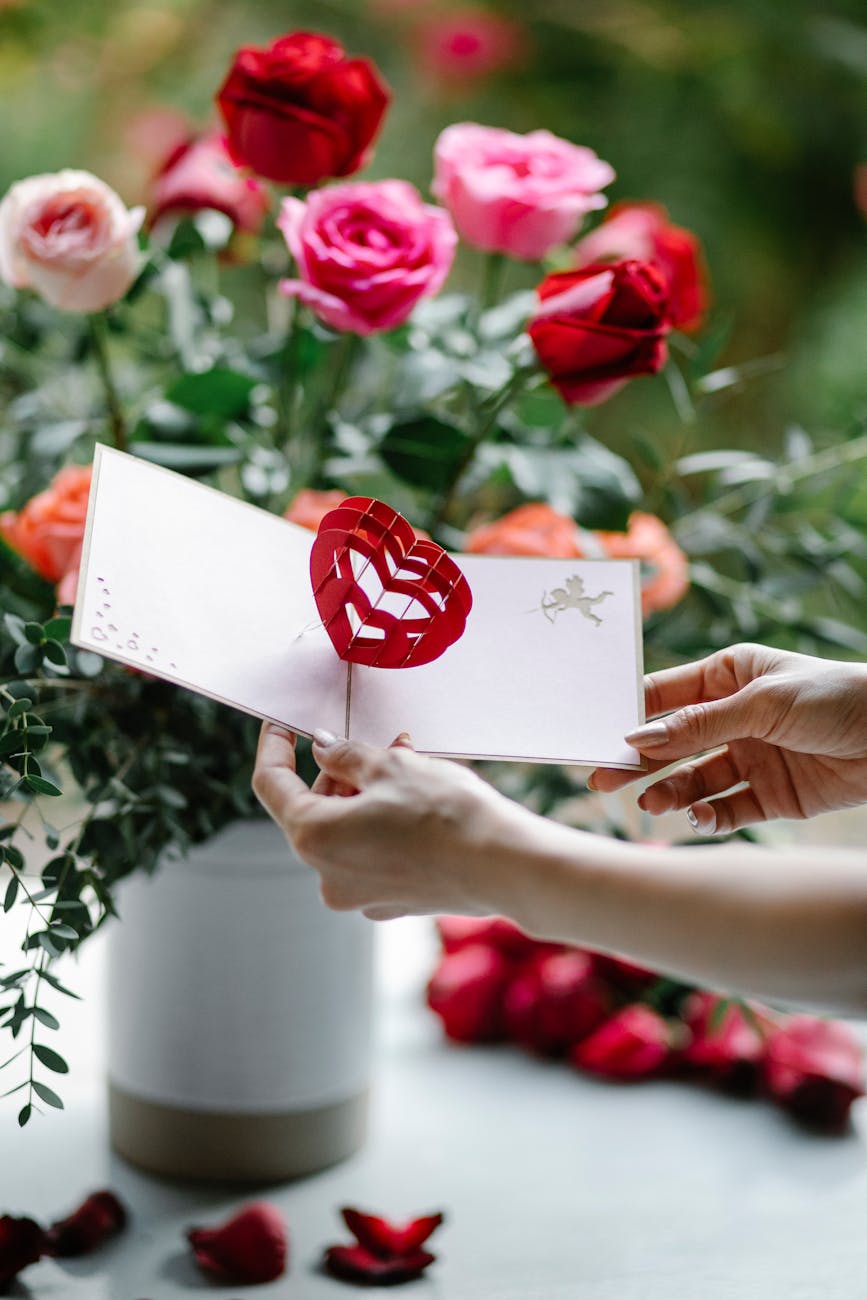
[
  {"x": 22, "y": 1242},
  {"x": 250, "y": 1247},
  {"x": 355, "y": 1264},
  {"x": 386, "y": 1239},
  {"x": 98, "y": 1217}
]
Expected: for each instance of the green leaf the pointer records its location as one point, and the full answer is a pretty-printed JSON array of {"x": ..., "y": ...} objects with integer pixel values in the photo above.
[
  {"x": 55, "y": 653},
  {"x": 56, "y": 984},
  {"x": 46, "y": 1018},
  {"x": 43, "y": 940},
  {"x": 50, "y": 1059},
  {"x": 39, "y": 785},
  {"x": 64, "y": 931},
  {"x": 24, "y": 1115},
  {"x": 19, "y": 707},
  {"x": 221, "y": 392},
  {"x": 34, "y": 633},
  {"x": 14, "y": 857},
  {"x": 15, "y": 628},
  {"x": 11, "y": 894},
  {"x": 28, "y": 658},
  {"x": 426, "y": 452},
  {"x": 47, "y": 1095},
  {"x": 58, "y": 629},
  {"x": 14, "y": 742}
]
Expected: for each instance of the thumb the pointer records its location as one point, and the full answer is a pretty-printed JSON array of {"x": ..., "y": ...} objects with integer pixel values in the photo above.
[
  {"x": 699, "y": 726},
  {"x": 348, "y": 761}
]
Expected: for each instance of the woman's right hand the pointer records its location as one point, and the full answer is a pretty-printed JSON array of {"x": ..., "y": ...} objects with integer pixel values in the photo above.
[{"x": 793, "y": 730}]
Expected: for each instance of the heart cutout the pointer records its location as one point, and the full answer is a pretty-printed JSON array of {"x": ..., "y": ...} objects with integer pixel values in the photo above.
[{"x": 387, "y": 598}]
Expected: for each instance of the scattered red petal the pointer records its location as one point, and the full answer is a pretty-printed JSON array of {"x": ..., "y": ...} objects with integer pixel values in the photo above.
[
  {"x": 386, "y": 1239},
  {"x": 250, "y": 1247},
  {"x": 22, "y": 1242},
  {"x": 355, "y": 1264},
  {"x": 98, "y": 1217}
]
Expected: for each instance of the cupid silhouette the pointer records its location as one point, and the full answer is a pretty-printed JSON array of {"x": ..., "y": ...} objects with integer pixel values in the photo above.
[{"x": 572, "y": 597}]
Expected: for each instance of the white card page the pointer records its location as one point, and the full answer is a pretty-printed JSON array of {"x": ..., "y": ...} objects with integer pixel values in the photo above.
[{"x": 194, "y": 586}]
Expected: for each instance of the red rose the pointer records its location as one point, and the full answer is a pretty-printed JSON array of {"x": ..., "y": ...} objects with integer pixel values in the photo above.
[
  {"x": 22, "y": 1242},
  {"x": 460, "y": 931},
  {"x": 633, "y": 1044},
  {"x": 554, "y": 1001},
  {"x": 300, "y": 110},
  {"x": 725, "y": 1044},
  {"x": 643, "y": 231},
  {"x": 814, "y": 1069},
  {"x": 249, "y": 1248},
  {"x": 200, "y": 174},
  {"x": 599, "y": 327},
  {"x": 466, "y": 992}
]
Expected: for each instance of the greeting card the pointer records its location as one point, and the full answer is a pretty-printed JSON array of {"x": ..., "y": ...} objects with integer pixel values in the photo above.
[{"x": 363, "y": 628}]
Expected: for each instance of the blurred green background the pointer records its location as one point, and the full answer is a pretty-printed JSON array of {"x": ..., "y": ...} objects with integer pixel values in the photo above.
[{"x": 746, "y": 118}]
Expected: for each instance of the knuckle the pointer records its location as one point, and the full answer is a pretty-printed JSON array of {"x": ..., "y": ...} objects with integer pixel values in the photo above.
[{"x": 334, "y": 896}]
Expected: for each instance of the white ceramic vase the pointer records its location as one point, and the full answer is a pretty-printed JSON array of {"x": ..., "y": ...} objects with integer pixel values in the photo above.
[{"x": 239, "y": 1015}]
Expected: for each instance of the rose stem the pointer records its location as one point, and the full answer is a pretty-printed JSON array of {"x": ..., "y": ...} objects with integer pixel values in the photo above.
[
  {"x": 99, "y": 341},
  {"x": 492, "y": 279}
]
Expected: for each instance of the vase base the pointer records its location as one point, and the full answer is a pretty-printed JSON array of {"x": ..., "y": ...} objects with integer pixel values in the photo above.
[{"x": 210, "y": 1146}]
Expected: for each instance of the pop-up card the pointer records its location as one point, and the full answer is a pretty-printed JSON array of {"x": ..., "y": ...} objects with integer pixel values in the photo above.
[{"x": 363, "y": 628}]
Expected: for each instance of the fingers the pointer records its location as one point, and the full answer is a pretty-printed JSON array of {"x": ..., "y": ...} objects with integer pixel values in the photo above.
[
  {"x": 276, "y": 784},
  {"x": 712, "y": 678},
  {"x": 608, "y": 780},
  {"x": 701, "y": 726},
  {"x": 348, "y": 762},
  {"x": 402, "y": 741},
  {"x": 694, "y": 781},
  {"x": 722, "y": 816}
]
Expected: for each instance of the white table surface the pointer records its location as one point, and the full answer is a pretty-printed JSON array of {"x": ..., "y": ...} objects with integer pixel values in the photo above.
[{"x": 555, "y": 1186}]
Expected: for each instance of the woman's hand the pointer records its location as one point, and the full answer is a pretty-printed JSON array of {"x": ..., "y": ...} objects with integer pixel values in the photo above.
[
  {"x": 411, "y": 835},
  {"x": 794, "y": 731}
]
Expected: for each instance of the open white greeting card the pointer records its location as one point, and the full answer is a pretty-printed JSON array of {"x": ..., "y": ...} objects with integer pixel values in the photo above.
[{"x": 191, "y": 585}]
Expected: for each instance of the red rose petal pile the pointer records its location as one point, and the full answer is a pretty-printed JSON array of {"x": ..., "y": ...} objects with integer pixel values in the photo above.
[
  {"x": 24, "y": 1242},
  {"x": 383, "y": 1252},
  {"x": 610, "y": 1017}
]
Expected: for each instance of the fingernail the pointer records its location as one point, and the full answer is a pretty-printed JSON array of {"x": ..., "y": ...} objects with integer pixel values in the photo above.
[
  {"x": 404, "y": 738},
  {"x": 655, "y": 733},
  {"x": 324, "y": 738},
  {"x": 703, "y": 825},
  {"x": 591, "y": 781}
]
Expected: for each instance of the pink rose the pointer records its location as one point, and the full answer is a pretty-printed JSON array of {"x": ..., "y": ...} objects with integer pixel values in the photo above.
[
  {"x": 643, "y": 232},
  {"x": 516, "y": 194},
  {"x": 201, "y": 174},
  {"x": 814, "y": 1069},
  {"x": 462, "y": 48},
  {"x": 554, "y": 1001},
  {"x": 633, "y": 1044},
  {"x": 367, "y": 251},
  {"x": 69, "y": 237}
]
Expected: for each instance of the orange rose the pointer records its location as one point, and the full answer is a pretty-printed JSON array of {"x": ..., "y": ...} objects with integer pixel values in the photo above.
[
  {"x": 310, "y": 507},
  {"x": 49, "y": 531},
  {"x": 647, "y": 539},
  {"x": 533, "y": 529}
]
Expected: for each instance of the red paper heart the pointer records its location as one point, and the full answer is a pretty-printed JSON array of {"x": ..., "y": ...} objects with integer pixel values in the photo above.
[{"x": 409, "y": 599}]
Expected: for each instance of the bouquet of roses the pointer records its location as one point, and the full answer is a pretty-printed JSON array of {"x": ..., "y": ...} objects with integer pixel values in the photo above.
[{"x": 267, "y": 324}]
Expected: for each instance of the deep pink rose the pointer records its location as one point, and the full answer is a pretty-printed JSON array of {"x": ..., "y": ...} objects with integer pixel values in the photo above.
[
  {"x": 462, "y": 48},
  {"x": 201, "y": 174},
  {"x": 814, "y": 1069},
  {"x": 643, "y": 232},
  {"x": 466, "y": 992},
  {"x": 726, "y": 1045},
  {"x": 554, "y": 1001},
  {"x": 68, "y": 236},
  {"x": 299, "y": 111},
  {"x": 633, "y": 1044},
  {"x": 516, "y": 194},
  {"x": 366, "y": 253},
  {"x": 597, "y": 328}
]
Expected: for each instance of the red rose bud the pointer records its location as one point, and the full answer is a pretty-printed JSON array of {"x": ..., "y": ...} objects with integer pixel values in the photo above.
[
  {"x": 624, "y": 976},
  {"x": 725, "y": 1043},
  {"x": 633, "y": 1044},
  {"x": 386, "y": 1252},
  {"x": 98, "y": 1217},
  {"x": 598, "y": 327},
  {"x": 555, "y": 1001},
  {"x": 248, "y": 1248},
  {"x": 22, "y": 1242},
  {"x": 459, "y": 931},
  {"x": 814, "y": 1069},
  {"x": 389, "y": 1239},
  {"x": 300, "y": 110},
  {"x": 466, "y": 992},
  {"x": 355, "y": 1264}
]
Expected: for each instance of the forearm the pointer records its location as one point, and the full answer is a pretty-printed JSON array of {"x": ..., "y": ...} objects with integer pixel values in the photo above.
[{"x": 790, "y": 926}]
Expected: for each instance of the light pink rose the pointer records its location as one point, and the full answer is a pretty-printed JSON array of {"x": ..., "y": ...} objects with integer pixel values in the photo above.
[
  {"x": 366, "y": 253},
  {"x": 69, "y": 237},
  {"x": 200, "y": 174},
  {"x": 516, "y": 194}
]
